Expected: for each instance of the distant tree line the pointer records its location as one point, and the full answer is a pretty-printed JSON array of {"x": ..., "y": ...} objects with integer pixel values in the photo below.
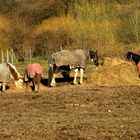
[{"x": 38, "y": 28}]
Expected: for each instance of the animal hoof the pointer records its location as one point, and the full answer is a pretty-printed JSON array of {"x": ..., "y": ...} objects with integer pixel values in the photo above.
[
  {"x": 33, "y": 88},
  {"x": 81, "y": 83},
  {"x": 52, "y": 85},
  {"x": 74, "y": 83}
]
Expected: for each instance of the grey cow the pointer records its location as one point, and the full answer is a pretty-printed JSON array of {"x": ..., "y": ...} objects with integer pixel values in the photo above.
[
  {"x": 9, "y": 72},
  {"x": 75, "y": 59}
]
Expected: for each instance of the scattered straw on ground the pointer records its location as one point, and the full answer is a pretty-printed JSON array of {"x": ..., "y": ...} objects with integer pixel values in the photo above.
[{"x": 114, "y": 72}]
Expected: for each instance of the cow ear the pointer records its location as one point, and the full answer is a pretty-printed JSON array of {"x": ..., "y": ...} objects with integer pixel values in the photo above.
[{"x": 129, "y": 52}]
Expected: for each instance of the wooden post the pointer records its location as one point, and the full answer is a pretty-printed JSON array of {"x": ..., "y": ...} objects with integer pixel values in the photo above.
[
  {"x": 61, "y": 48},
  {"x": 7, "y": 55},
  {"x": 26, "y": 55},
  {"x": 30, "y": 54},
  {"x": 12, "y": 56},
  {"x": 2, "y": 58}
]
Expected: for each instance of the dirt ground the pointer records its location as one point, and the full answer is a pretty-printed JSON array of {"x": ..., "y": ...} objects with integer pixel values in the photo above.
[
  {"x": 68, "y": 112},
  {"x": 105, "y": 107}
]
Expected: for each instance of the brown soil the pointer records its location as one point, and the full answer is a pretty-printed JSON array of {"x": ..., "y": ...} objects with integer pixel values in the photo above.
[
  {"x": 109, "y": 111},
  {"x": 69, "y": 112}
]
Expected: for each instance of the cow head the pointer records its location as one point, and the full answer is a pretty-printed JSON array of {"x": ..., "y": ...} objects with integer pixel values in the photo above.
[
  {"x": 94, "y": 57},
  {"x": 19, "y": 82}
]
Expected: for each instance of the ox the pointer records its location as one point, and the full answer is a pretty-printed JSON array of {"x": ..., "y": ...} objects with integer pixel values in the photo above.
[
  {"x": 33, "y": 73},
  {"x": 67, "y": 60},
  {"x": 9, "y": 72}
]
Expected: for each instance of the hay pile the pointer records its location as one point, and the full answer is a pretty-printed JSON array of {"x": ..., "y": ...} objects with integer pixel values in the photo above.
[{"x": 114, "y": 72}]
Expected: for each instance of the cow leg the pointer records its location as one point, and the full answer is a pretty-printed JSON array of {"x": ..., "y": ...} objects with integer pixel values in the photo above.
[
  {"x": 52, "y": 74},
  {"x": 37, "y": 80},
  {"x": 75, "y": 76},
  {"x": 27, "y": 84},
  {"x": 33, "y": 85},
  {"x": 27, "y": 80},
  {"x": 65, "y": 71},
  {"x": 3, "y": 87},
  {"x": 53, "y": 82},
  {"x": 81, "y": 75}
]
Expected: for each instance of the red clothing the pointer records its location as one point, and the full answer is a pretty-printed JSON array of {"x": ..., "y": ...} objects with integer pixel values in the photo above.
[
  {"x": 31, "y": 69},
  {"x": 138, "y": 68}
]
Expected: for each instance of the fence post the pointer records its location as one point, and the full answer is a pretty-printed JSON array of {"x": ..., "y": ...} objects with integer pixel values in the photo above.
[
  {"x": 2, "y": 57},
  {"x": 12, "y": 56},
  {"x": 30, "y": 55},
  {"x": 61, "y": 48},
  {"x": 7, "y": 55}
]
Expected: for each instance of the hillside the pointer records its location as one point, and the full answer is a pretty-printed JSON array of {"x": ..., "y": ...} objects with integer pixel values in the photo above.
[{"x": 111, "y": 26}]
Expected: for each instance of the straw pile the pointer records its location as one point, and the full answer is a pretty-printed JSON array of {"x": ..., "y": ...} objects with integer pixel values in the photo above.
[{"x": 114, "y": 72}]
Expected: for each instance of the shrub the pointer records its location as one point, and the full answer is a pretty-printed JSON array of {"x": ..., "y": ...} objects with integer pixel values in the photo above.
[{"x": 129, "y": 27}]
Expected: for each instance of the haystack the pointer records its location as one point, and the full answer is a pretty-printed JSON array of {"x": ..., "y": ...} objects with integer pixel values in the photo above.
[{"x": 114, "y": 72}]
